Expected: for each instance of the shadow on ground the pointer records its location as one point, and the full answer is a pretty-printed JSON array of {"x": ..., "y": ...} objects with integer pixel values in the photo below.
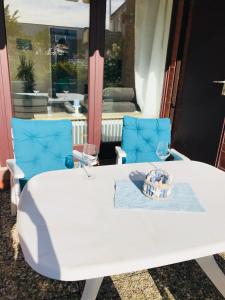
[{"x": 185, "y": 281}]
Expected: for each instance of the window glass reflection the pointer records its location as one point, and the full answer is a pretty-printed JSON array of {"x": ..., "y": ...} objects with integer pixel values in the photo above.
[
  {"x": 48, "y": 56},
  {"x": 119, "y": 87}
]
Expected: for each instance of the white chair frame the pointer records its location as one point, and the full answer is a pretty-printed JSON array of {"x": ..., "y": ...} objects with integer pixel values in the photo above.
[
  {"x": 122, "y": 154},
  {"x": 16, "y": 174}
]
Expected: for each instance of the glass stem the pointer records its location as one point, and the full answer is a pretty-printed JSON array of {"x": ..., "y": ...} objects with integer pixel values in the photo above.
[{"x": 86, "y": 171}]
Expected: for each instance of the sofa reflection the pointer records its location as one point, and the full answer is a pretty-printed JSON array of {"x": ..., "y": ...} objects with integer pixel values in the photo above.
[
  {"x": 26, "y": 105},
  {"x": 116, "y": 99}
]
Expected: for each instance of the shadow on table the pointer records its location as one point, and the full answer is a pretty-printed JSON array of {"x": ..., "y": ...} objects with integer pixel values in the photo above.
[
  {"x": 19, "y": 281},
  {"x": 137, "y": 178},
  {"x": 51, "y": 265},
  {"x": 184, "y": 281},
  {"x": 44, "y": 239}
]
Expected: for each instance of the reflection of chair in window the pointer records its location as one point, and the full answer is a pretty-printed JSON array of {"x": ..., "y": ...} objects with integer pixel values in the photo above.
[
  {"x": 25, "y": 106},
  {"x": 119, "y": 99}
]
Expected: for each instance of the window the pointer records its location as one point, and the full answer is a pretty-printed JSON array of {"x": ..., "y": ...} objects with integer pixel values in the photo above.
[{"x": 48, "y": 45}]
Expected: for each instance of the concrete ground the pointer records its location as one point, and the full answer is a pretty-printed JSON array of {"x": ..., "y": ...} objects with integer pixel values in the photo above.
[{"x": 19, "y": 281}]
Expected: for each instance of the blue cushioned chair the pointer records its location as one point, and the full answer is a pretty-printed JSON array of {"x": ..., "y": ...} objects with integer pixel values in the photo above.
[
  {"x": 140, "y": 138},
  {"x": 39, "y": 146}
]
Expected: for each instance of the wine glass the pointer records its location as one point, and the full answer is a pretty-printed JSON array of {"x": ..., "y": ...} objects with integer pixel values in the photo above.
[
  {"x": 36, "y": 92},
  {"x": 76, "y": 105},
  {"x": 66, "y": 94},
  {"x": 89, "y": 157},
  {"x": 49, "y": 110},
  {"x": 163, "y": 150}
]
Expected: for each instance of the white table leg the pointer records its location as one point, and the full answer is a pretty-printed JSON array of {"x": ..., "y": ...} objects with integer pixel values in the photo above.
[
  {"x": 212, "y": 270},
  {"x": 91, "y": 288}
]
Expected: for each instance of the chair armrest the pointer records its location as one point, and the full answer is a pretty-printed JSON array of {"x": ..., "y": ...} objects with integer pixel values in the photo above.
[
  {"x": 120, "y": 155},
  {"x": 120, "y": 151},
  {"x": 79, "y": 156},
  {"x": 14, "y": 169},
  {"x": 178, "y": 156}
]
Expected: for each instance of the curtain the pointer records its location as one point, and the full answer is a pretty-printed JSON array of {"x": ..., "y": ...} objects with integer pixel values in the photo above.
[{"x": 152, "y": 25}]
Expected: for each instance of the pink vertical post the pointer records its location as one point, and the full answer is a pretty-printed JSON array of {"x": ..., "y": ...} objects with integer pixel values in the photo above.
[
  {"x": 96, "y": 70},
  {"x": 96, "y": 63},
  {"x": 5, "y": 95}
]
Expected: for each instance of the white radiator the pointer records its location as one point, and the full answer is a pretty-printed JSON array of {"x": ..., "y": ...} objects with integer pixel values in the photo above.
[
  {"x": 79, "y": 132},
  {"x": 111, "y": 131}
]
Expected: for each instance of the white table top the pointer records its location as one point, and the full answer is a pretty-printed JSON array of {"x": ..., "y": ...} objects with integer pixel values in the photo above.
[
  {"x": 33, "y": 94},
  {"x": 61, "y": 97},
  {"x": 70, "y": 230}
]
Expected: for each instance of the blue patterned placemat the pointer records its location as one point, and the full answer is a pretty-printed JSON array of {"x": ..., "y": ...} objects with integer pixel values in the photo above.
[{"x": 128, "y": 194}]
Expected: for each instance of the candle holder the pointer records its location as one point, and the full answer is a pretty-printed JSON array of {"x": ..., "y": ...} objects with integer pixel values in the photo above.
[{"x": 157, "y": 185}]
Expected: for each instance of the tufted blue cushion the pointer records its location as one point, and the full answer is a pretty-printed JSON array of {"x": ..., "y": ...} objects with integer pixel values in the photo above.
[
  {"x": 141, "y": 136},
  {"x": 41, "y": 146}
]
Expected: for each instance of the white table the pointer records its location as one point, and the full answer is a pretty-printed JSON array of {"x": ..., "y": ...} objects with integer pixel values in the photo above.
[
  {"x": 33, "y": 94},
  {"x": 70, "y": 230},
  {"x": 62, "y": 97}
]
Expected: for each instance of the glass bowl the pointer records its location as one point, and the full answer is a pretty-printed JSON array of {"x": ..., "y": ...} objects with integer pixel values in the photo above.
[{"x": 157, "y": 184}]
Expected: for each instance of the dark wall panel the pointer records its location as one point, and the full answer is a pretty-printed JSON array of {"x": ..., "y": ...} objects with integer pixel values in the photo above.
[{"x": 200, "y": 105}]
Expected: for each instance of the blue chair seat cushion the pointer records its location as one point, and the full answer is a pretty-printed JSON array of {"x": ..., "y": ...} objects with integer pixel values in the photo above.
[{"x": 140, "y": 138}]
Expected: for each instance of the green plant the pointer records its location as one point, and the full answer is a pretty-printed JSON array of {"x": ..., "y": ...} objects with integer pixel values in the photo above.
[
  {"x": 63, "y": 74},
  {"x": 113, "y": 66},
  {"x": 11, "y": 21},
  {"x": 25, "y": 72},
  {"x": 112, "y": 72},
  {"x": 64, "y": 69}
]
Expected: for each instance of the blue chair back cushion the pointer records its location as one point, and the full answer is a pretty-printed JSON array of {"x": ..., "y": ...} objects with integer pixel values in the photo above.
[
  {"x": 140, "y": 138},
  {"x": 41, "y": 146}
]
